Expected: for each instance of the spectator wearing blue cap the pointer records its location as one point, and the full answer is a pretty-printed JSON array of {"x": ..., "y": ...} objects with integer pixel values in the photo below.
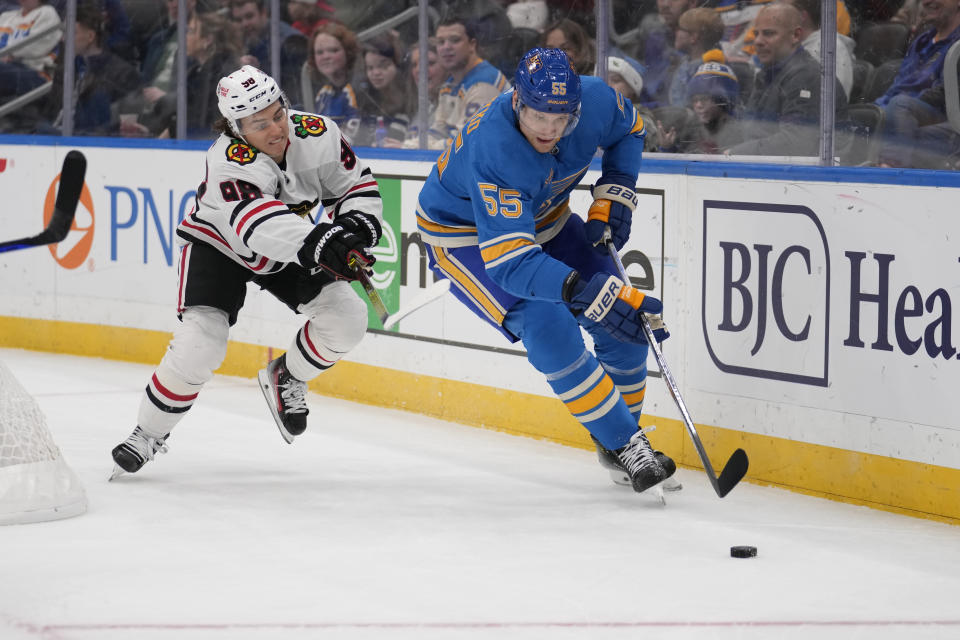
[{"x": 714, "y": 93}]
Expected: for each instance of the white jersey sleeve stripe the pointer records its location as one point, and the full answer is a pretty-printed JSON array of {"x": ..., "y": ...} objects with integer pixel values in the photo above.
[
  {"x": 188, "y": 223},
  {"x": 270, "y": 206}
]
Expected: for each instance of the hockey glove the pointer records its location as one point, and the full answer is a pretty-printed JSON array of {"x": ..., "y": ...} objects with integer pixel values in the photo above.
[
  {"x": 336, "y": 250},
  {"x": 615, "y": 306},
  {"x": 612, "y": 207},
  {"x": 362, "y": 224}
]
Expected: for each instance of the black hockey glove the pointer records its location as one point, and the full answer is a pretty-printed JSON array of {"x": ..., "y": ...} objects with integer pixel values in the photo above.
[
  {"x": 615, "y": 306},
  {"x": 336, "y": 250},
  {"x": 362, "y": 224}
]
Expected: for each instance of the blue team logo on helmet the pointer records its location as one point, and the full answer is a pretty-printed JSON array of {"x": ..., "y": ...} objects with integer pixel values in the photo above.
[{"x": 546, "y": 81}]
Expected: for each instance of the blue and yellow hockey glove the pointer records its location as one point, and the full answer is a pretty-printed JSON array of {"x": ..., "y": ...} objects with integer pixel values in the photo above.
[
  {"x": 615, "y": 306},
  {"x": 613, "y": 205}
]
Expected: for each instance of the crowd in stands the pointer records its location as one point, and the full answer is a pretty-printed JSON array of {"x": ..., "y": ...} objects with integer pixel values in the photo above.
[{"x": 731, "y": 77}]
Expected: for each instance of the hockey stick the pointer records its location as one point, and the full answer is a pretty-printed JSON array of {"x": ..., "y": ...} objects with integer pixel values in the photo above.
[
  {"x": 738, "y": 463},
  {"x": 68, "y": 195},
  {"x": 431, "y": 293},
  {"x": 371, "y": 291}
]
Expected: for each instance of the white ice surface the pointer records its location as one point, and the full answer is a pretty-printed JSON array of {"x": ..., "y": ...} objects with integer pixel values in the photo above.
[{"x": 385, "y": 524}]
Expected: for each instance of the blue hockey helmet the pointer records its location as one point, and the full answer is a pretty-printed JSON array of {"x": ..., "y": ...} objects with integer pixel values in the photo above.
[{"x": 546, "y": 81}]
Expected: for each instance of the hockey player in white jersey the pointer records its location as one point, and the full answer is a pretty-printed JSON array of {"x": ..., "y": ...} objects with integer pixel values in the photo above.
[{"x": 269, "y": 168}]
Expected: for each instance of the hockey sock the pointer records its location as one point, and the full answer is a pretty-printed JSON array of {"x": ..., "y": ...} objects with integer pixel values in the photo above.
[
  {"x": 593, "y": 399},
  {"x": 632, "y": 385},
  {"x": 626, "y": 364},
  {"x": 555, "y": 348},
  {"x": 308, "y": 357},
  {"x": 165, "y": 401}
]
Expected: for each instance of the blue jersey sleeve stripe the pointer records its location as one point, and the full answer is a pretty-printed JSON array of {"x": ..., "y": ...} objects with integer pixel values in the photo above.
[
  {"x": 495, "y": 261},
  {"x": 507, "y": 237}
]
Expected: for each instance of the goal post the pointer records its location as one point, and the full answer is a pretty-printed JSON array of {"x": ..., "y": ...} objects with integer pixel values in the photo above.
[{"x": 36, "y": 484}]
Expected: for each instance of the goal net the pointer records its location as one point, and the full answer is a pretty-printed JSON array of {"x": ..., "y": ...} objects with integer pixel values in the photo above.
[{"x": 35, "y": 482}]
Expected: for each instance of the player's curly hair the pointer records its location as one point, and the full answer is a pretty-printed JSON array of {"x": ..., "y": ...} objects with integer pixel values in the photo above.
[{"x": 222, "y": 125}]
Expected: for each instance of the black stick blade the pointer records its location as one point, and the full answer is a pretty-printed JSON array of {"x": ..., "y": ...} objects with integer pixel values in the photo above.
[
  {"x": 72, "y": 175},
  {"x": 68, "y": 195},
  {"x": 733, "y": 472}
]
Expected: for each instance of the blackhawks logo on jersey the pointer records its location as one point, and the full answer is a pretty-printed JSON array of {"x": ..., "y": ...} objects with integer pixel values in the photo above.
[
  {"x": 240, "y": 152},
  {"x": 308, "y": 125}
]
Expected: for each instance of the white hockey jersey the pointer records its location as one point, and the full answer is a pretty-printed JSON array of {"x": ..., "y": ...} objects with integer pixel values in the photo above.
[{"x": 258, "y": 212}]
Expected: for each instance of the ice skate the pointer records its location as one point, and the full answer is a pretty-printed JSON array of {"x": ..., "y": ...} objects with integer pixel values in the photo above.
[
  {"x": 134, "y": 452},
  {"x": 646, "y": 469},
  {"x": 610, "y": 462},
  {"x": 286, "y": 397},
  {"x": 638, "y": 465}
]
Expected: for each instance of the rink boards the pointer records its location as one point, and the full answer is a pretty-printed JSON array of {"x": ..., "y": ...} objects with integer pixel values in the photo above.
[{"x": 810, "y": 310}]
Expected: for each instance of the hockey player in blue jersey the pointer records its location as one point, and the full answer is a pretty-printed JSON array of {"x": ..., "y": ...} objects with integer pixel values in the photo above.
[{"x": 494, "y": 214}]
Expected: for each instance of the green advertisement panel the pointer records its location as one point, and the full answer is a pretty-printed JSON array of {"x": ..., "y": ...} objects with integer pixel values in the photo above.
[{"x": 386, "y": 271}]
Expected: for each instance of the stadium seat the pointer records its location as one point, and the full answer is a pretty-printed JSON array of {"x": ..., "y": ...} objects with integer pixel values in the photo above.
[
  {"x": 877, "y": 43},
  {"x": 862, "y": 76},
  {"x": 881, "y": 80},
  {"x": 860, "y": 123}
]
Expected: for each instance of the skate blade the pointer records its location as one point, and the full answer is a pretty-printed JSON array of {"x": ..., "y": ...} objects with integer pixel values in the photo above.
[
  {"x": 621, "y": 478},
  {"x": 671, "y": 484},
  {"x": 117, "y": 472},
  {"x": 267, "y": 392},
  {"x": 658, "y": 493}
]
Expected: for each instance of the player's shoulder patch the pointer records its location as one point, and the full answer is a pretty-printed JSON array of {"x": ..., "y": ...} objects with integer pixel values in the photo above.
[
  {"x": 306, "y": 125},
  {"x": 303, "y": 208},
  {"x": 240, "y": 152}
]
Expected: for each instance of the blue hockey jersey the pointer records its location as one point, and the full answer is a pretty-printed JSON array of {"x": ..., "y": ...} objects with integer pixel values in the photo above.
[{"x": 491, "y": 188}]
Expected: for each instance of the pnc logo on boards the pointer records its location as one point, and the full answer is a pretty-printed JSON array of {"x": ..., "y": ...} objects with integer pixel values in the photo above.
[{"x": 75, "y": 248}]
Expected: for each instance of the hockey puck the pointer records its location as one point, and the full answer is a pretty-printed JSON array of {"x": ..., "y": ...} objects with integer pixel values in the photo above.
[{"x": 743, "y": 552}]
